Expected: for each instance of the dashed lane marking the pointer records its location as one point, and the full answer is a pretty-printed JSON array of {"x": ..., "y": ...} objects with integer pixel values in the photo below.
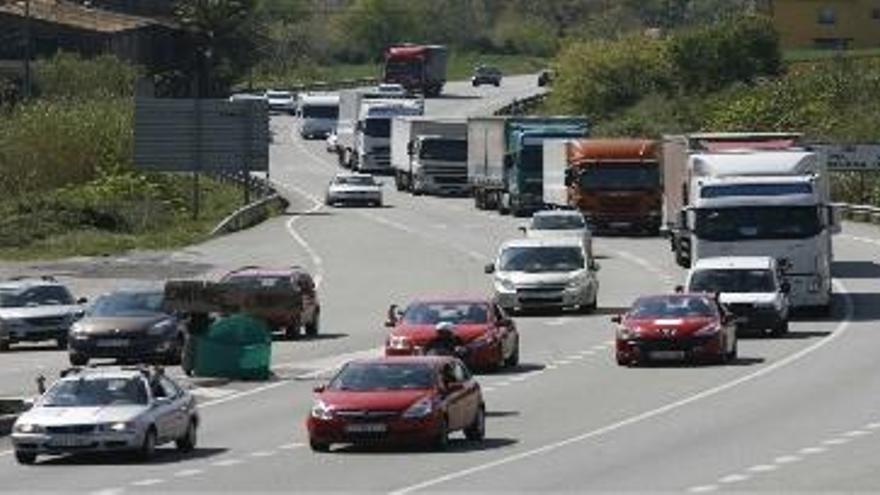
[
  {"x": 812, "y": 450},
  {"x": 262, "y": 454},
  {"x": 186, "y": 473},
  {"x": 733, "y": 478},
  {"x": 856, "y": 433},
  {"x": 703, "y": 489},
  {"x": 149, "y": 482},
  {"x": 787, "y": 459},
  {"x": 227, "y": 463},
  {"x": 292, "y": 446},
  {"x": 763, "y": 468},
  {"x": 836, "y": 441}
]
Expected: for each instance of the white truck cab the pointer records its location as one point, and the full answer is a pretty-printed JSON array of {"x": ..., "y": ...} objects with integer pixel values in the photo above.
[
  {"x": 317, "y": 115},
  {"x": 374, "y": 131},
  {"x": 753, "y": 288}
]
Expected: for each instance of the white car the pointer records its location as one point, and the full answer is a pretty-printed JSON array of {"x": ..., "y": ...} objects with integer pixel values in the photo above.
[
  {"x": 281, "y": 101},
  {"x": 35, "y": 310},
  {"x": 560, "y": 223},
  {"x": 391, "y": 90},
  {"x": 346, "y": 189},
  {"x": 555, "y": 273},
  {"x": 751, "y": 287},
  {"x": 332, "y": 143},
  {"x": 106, "y": 410}
]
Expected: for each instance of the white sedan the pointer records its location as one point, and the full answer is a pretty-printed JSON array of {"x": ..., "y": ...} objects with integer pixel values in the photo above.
[
  {"x": 560, "y": 223},
  {"x": 346, "y": 189}
]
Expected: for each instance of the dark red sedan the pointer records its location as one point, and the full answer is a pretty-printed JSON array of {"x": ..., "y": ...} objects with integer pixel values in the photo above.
[
  {"x": 403, "y": 399},
  {"x": 675, "y": 327},
  {"x": 487, "y": 335}
]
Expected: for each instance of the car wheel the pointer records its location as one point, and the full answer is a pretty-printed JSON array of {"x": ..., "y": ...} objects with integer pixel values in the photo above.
[
  {"x": 781, "y": 329},
  {"x": 317, "y": 446},
  {"x": 148, "y": 447},
  {"x": 187, "y": 443},
  {"x": 441, "y": 441},
  {"x": 291, "y": 331},
  {"x": 476, "y": 432},
  {"x": 622, "y": 361},
  {"x": 4, "y": 346},
  {"x": 513, "y": 360},
  {"x": 61, "y": 343},
  {"x": 314, "y": 326},
  {"x": 26, "y": 458},
  {"x": 78, "y": 359}
]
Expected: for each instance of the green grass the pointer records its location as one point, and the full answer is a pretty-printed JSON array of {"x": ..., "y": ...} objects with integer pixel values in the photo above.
[
  {"x": 461, "y": 66},
  {"x": 810, "y": 55}
]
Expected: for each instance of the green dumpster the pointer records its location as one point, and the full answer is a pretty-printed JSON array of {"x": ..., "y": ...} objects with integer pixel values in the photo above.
[{"x": 238, "y": 346}]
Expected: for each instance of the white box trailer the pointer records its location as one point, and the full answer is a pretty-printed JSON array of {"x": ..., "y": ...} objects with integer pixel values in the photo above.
[
  {"x": 429, "y": 155},
  {"x": 487, "y": 144},
  {"x": 555, "y": 166}
]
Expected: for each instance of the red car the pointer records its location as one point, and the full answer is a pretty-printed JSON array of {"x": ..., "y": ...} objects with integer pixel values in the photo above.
[
  {"x": 405, "y": 399},
  {"x": 675, "y": 327},
  {"x": 306, "y": 316},
  {"x": 487, "y": 335}
]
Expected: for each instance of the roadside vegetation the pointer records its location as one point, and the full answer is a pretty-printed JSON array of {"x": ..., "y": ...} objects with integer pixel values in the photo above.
[{"x": 67, "y": 184}]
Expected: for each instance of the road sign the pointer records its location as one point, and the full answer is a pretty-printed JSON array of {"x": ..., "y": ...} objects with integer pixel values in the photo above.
[
  {"x": 201, "y": 135},
  {"x": 851, "y": 157}
]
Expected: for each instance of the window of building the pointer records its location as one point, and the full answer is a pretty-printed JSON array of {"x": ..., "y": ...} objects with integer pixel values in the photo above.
[{"x": 827, "y": 16}]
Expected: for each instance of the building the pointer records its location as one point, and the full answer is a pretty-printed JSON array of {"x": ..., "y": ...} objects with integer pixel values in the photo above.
[{"x": 847, "y": 24}]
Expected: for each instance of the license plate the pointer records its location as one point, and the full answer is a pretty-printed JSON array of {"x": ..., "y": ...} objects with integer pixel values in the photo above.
[
  {"x": 68, "y": 441},
  {"x": 667, "y": 355},
  {"x": 113, "y": 343},
  {"x": 366, "y": 428},
  {"x": 620, "y": 225}
]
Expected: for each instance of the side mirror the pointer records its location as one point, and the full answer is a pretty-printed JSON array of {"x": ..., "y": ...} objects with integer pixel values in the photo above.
[
  {"x": 523, "y": 229},
  {"x": 454, "y": 386},
  {"x": 82, "y": 300},
  {"x": 785, "y": 287},
  {"x": 617, "y": 319},
  {"x": 489, "y": 269},
  {"x": 679, "y": 289},
  {"x": 393, "y": 315},
  {"x": 319, "y": 389},
  {"x": 595, "y": 266}
]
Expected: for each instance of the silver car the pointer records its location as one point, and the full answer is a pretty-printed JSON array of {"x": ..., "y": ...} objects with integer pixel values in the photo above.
[
  {"x": 560, "y": 223},
  {"x": 545, "y": 274},
  {"x": 347, "y": 189},
  {"x": 104, "y": 410},
  {"x": 34, "y": 310}
]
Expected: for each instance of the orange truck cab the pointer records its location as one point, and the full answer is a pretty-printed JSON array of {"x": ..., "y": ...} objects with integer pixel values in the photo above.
[{"x": 615, "y": 183}]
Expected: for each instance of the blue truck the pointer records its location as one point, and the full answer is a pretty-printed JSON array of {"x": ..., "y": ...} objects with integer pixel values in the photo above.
[{"x": 505, "y": 159}]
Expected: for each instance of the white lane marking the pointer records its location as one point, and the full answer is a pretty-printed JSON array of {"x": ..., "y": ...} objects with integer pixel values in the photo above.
[
  {"x": 520, "y": 378},
  {"x": 502, "y": 384},
  {"x": 6, "y": 453},
  {"x": 268, "y": 453},
  {"x": 563, "y": 362},
  {"x": 856, "y": 433},
  {"x": 329, "y": 364},
  {"x": 763, "y": 468},
  {"x": 428, "y": 237},
  {"x": 710, "y": 392},
  {"x": 292, "y": 446},
  {"x": 866, "y": 240},
  {"x": 600, "y": 347},
  {"x": 212, "y": 392},
  {"x": 734, "y": 478},
  {"x": 551, "y": 367},
  {"x": 574, "y": 357},
  {"x": 227, "y": 463},
  {"x": 647, "y": 265},
  {"x": 149, "y": 482},
  {"x": 812, "y": 450},
  {"x": 703, "y": 489},
  {"x": 109, "y": 491},
  {"x": 588, "y": 353},
  {"x": 186, "y": 473},
  {"x": 836, "y": 441},
  {"x": 786, "y": 459},
  {"x": 317, "y": 261},
  {"x": 488, "y": 389},
  {"x": 872, "y": 426}
]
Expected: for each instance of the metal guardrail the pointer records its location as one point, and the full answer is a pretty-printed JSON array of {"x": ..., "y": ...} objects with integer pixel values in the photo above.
[
  {"x": 522, "y": 106},
  {"x": 859, "y": 213},
  {"x": 325, "y": 85}
]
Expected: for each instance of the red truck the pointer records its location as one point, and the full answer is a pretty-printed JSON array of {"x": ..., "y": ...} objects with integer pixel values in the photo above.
[
  {"x": 418, "y": 68},
  {"x": 615, "y": 183}
]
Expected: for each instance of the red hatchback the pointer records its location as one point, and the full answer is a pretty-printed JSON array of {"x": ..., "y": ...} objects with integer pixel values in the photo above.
[
  {"x": 408, "y": 399},
  {"x": 487, "y": 335},
  {"x": 675, "y": 327}
]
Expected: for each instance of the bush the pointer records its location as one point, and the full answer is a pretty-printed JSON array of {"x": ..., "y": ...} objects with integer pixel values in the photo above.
[{"x": 70, "y": 76}]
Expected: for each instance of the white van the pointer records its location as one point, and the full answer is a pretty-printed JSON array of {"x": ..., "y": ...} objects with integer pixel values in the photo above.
[{"x": 317, "y": 115}]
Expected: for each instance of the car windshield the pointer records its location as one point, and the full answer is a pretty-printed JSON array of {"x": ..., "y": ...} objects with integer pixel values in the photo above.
[
  {"x": 96, "y": 392},
  {"x": 732, "y": 281},
  {"x": 355, "y": 181},
  {"x": 377, "y": 127},
  {"x": 757, "y": 222},
  {"x": 260, "y": 281},
  {"x": 35, "y": 296},
  {"x": 128, "y": 304},
  {"x": 672, "y": 307},
  {"x": 457, "y": 313},
  {"x": 537, "y": 259},
  {"x": 278, "y": 95},
  {"x": 558, "y": 222},
  {"x": 365, "y": 377},
  {"x": 620, "y": 177},
  {"x": 453, "y": 150},
  {"x": 320, "y": 112}
]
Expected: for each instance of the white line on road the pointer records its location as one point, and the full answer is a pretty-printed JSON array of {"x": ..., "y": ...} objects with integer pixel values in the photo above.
[
  {"x": 265, "y": 453},
  {"x": 763, "y": 468},
  {"x": 872, "y": 426},
  {"x": 786, "y": 459},
  {"x": 292, "y": 446},
  {"x": 733, "y": 478},
  {"x": 856, "y": 433},
  {"x": 227, "y": 463},
  {"x": 149, "y": 482},
  {"x": 812, "y": 450},
  {"x": 710, "y": 392},
  {"x": 703, "y": 489},
  {"x": 186, "y": 473},
  {"x": 563, "y": 362},
  {"x": 836, "y": 441}
]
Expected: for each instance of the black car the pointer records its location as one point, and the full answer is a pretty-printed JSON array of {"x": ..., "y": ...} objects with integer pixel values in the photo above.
[
  {"x": 485, "y": 74},
  {"x": 545, "y": 78},
  {"x": 128, "y": 325}
]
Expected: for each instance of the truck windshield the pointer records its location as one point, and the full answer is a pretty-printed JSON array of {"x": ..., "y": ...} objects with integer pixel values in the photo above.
[
  {"x": 732, "y": 281},
  {"x": 402, "y": 68},
  {"x": 541, "y": 259},
  {"x": 558, "y": 222},
  {"x": 757, "y": 222},
  {"x": 453, "y": 150},
  {"x": 620, "y": 177},
  {"x": 378, "y": 127},
  {"x": 532, "y": 157},
  {"x": 728, "y": 190},
  {"x": 320, "y": 112}
]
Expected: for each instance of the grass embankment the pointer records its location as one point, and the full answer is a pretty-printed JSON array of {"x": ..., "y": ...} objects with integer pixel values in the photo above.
[
  {"x": 67, "y": 184},
  {"x": 461, "y": 66}
]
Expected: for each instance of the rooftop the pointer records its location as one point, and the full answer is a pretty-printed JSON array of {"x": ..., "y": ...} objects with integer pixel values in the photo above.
[{"x": 78, "y": 16}]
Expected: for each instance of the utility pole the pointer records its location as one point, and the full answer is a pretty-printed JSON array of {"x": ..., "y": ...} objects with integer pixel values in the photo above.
[{"x": 28, "y": 49}]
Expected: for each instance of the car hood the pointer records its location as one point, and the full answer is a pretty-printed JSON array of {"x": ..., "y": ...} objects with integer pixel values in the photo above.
[
  {"x": 380, "y": 400},
  {"x": 122, "y": 324},
  {"x": 748, "y": 297},
  {"x": 660, "y": 327},
  {"x": 38, "y": 312},
  {"x": 422, "y": 334},
  {"x": 60, "y": 416},
  {"x": 538, "y": 279}
]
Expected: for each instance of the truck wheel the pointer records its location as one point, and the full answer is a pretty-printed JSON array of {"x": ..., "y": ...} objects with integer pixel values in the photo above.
[
  {"x": 78, "y": 359},
  {"x": 314, "y": 326},
  {"x": 4, "y": 346},
  {"x": 291, "y": 331},
  {"x": 501, "y": 205},
  {"x": 398, "y": 181},
  {"x": 781, "y": 329},
  {"x": 25, "y": 458}
]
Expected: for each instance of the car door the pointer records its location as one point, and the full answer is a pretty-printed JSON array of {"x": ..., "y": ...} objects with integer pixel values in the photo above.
[
  {"x": 452, "y": 398},
  {"x": 470, "y": 402},
  {"x": 508, "y": 331},
  {"x": 179, "y": 414},
  {"x": 162, "y": 411}
]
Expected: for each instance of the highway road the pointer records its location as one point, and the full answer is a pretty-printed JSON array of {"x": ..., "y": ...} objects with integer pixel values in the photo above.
[{"x": 801, "y": 413}]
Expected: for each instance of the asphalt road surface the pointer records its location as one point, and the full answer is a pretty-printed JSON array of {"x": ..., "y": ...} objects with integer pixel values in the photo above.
[{"x": 800, "y": 413}]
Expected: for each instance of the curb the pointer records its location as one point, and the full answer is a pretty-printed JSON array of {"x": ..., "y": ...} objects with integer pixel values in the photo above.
[{"x": 250, "y": 215}]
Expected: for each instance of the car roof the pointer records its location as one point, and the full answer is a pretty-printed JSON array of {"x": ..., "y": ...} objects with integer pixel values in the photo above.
[
  {"x": 27, "y": 283},
  {"x": 452, "y": 300},
  {"x": 104, "y": 372},
  {"x": 558, "y": 213},
  {"x": 433, "y": 361},
  {"x": 736, "y": 263},
  {"x": 544, "y": 242}
]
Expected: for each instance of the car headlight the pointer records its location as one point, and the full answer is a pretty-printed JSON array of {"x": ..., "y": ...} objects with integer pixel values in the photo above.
[
  {"x": 399, "y": 342},
  {"x": 505, "y": 284},
  {"x": 709, "y": 330},
  {"x": 578, "y": 281},
  {"x": 29, "y": 428},
  {"x": 420, "y": 409},
  {"x": 626, "y": 333},
  {"x": 121, "y": 426},
  {"x": 322, "y": 411},
  {"x": 161, "y": 328}
]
